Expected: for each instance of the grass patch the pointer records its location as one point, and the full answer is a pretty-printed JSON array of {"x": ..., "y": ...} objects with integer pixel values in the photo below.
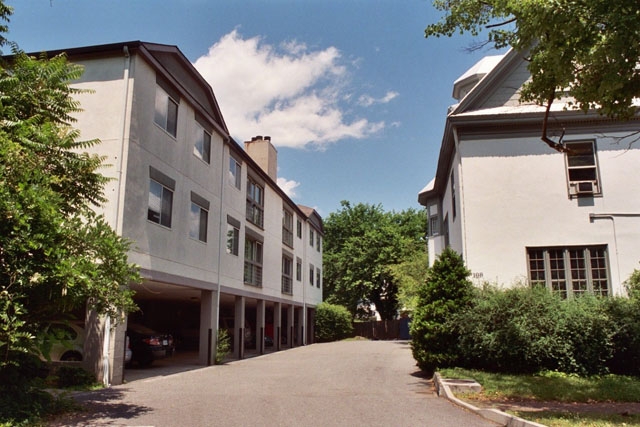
[
  {"x": 563, "y": 419},
  {"x": 551, "y": 386}
]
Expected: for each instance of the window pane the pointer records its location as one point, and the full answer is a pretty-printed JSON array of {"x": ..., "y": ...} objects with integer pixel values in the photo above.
[
  {"x": 167, "y": 201},
  {"x": 172, "y": 117},
  {"x": 160, "y": 116},
  {"x": 204, "y": 216},
  {"x": 582, "y": 174},
  {"x": 194, "y": 221},
  {"x": 557, "y": 272},
  {"x": 536, "y": 267},
  {"x": 581, "y": 154},
  {"x": 578, "y": 271},
  {"x": 599, "y": 271},
  {"x": 206, "y": 147},
  {"x": 155, "y": 201}
]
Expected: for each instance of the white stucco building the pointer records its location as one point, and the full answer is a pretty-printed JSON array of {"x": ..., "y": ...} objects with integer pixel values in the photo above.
[
  {"x": 521, "y": 212},
  {"x": 218, "y": 242}
]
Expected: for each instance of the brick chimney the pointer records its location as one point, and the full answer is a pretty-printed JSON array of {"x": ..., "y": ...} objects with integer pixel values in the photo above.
[{"x": 264, "y": 154}]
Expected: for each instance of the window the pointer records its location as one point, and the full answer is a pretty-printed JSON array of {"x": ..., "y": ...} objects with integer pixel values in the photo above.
[
  {"x": 287, "y": 274},
  {"x": 166, "y": 114},
  {"x": 298, "y": 269},
  {"x": 318, "y": 276},
  {"x": 570, "y": 271},
  {"x": 255, "y": 203},
  {"x": 453, "y": 197},
  {"x": 287, "y": 228},
  {"x": 202, "y": 145},
  {"x": 299, "y": 229},
  {"x": 582, "y": 169},
  {"x": 311, "y": 237},
  {"x": 160, "y": 198},
  {"x": 233, "y": 235},
  {"x": 311, "y": 273},
  {"x": 235, "y": 176},
  {"x": 318, "y": 242},
  {"x": 252, "y": 262},
  {"x": 198, "y": 218},
  {"x": 434, "y": 223}
]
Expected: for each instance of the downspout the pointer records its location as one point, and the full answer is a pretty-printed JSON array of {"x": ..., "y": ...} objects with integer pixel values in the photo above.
[
  {"x": 221, "y": 223},
  {"x": 612, "y": 216},
  {"x": 106, "y": 344}
]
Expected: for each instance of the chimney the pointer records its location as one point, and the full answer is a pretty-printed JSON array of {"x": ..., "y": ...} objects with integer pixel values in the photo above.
[{"x": 264, "y": 154}]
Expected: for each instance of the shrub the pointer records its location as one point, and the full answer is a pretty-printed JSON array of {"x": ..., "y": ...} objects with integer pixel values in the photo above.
[
  {"x": 332, "y": 322},
  {"x": 446, "y": 292},
  {"x": 632, "y": 285},
  {"x": 625, "y": 318},
  {"x": 74, "y": 376},
  {"x": 223, "y": 346}
]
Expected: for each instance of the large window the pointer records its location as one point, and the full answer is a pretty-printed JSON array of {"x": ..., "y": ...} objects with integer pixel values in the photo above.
[
  {"x": 570, "y": 271},
  {"x": 198, "y": 218},
  {"x": 166, "y": 114},
  {"x": 287, "y": 228},
  {"x": 202, "y": 145},
  {"x": 233, "y": 235},
  {"x": 255, "y": 203},
  {"x": 287, "y": 275},
  {"x": 161, "y": 190},
  {"x": 252, "y": 262},
  {"x": 235, "y": 175},
  {"x": 582, "y": 169}
]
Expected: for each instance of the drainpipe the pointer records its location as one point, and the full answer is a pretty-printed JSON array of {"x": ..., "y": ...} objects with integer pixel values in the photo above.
[{"x": 611, "y": 216}]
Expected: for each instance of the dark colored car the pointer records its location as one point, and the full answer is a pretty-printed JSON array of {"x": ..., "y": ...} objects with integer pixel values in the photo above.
[{"x": 148, "y": 345}]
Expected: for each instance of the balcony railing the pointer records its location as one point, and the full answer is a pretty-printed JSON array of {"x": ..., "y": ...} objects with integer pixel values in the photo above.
[
  {"x": 252, "y": 274},
  {"x": 287, "y": 285}
]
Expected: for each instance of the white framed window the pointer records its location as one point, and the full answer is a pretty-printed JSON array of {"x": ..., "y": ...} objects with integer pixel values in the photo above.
[
  {"x": 570, "y": 271},
  {"x": 198, "y": 218},
  {"x": 287, "y": 228},
  {"x": 434, "y": 220},
  {"x": 255, "y": 203},
  {"x": 318, "y": 278},
  {"x": 287, "y": 275},
  {"x": 311, "y": 237},
  {"x": 233, "y": 236},
  {"x": 166, "y": 110},
  {"x": 582, "y": 169},
  {"x": 252, "y": 262},
  {"x": 161, "y": 189},
  {"x": 202, "y": 145},
  {"x": 235, "y": 172},
  {"x": 311, "y": 273},
  {"x": 318, "y": 242}
]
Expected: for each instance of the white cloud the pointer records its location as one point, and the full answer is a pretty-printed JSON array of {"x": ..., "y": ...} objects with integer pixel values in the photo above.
[
  {"x": 300, "y": 97},
  {"x": 367, "y": 100},
  {"x": 289, "y": 187}
]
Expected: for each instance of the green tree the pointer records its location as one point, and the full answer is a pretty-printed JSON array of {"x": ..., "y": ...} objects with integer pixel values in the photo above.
[
  {"x": 362, "y": 243},
  {"x": 56, "y": 253},
  {"x": 446, "y": 293},
  {"x": 585, "y": 50}
]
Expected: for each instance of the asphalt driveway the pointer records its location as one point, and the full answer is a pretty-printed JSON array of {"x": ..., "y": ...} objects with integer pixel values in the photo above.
[{"x": 349, "y": 383}]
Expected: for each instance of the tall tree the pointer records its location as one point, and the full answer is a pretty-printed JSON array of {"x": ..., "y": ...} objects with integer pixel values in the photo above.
[
  {"x": 585, "y": 50},
  {"x": 362, "y": 243},
  {"x": 56, "y": 253}
]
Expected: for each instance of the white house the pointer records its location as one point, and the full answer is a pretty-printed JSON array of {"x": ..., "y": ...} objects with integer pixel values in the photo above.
[
  {"x": 521, "y": 212},
  {"x": 218, "y": 242}
]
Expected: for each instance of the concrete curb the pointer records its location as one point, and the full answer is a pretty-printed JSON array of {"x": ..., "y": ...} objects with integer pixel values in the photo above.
[{"x": 494, "y": 415}]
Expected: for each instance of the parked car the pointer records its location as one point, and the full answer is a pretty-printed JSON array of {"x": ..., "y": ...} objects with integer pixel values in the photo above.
[
  {"x": 62, "y": 341},
  {"x": 148, "y": 345}
]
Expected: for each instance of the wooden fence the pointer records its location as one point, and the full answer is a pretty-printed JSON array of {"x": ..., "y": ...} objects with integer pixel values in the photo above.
[{"x": 383, "y": 330}]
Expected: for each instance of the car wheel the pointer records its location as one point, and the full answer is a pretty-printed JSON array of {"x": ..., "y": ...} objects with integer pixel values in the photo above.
[{"x": 71, "y": 356}]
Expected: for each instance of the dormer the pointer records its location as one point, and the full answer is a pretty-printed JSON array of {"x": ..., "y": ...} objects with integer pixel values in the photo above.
[{"x": 472, "y": 77}]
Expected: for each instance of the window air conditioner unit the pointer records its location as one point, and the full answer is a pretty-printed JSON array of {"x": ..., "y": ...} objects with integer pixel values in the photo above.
[{"x": 585, "y": 187}]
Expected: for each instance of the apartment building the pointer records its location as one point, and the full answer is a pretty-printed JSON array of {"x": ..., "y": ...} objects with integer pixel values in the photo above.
[{"x": 218, "y": 243}]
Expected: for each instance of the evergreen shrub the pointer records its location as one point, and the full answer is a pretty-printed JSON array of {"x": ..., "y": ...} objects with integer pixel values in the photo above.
[{"x": 332, "y": 322}]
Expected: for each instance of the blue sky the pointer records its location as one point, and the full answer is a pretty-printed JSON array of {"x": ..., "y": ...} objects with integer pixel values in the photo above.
[{"x": 351, "y": 93}]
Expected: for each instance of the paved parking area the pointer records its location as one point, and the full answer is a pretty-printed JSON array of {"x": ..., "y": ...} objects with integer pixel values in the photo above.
[{"x": 349, "y": 383}]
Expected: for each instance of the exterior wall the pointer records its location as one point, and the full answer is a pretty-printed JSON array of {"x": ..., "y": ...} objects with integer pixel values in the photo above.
[
  {"x": 120, "y": 112},
  {"x": 516, "y": 196}
]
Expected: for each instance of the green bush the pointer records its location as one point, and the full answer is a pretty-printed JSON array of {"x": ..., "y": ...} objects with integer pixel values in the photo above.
[
  {"x": 625, "y": 317},
  {"x": 446, "y": 292},
  {"x": 332, "y": 322},
  {"x": 223, "y": 346},
  {"x": 74, "y": 376}
]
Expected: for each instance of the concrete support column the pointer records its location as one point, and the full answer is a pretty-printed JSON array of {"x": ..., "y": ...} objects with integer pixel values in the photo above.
[
  {"x": 119, "y": 346},
  {"x": 277, "y": 325},
  {"x": 260, "y": 324},
  {"x": 93, "y": 345},
  {"x": 208, "y": 327},
  {"x": 311, "y": 326},
  {"x": 290, "y": 325},
  {"x": 238, "y": 328},
  {"x": 301, "y": 332}
]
